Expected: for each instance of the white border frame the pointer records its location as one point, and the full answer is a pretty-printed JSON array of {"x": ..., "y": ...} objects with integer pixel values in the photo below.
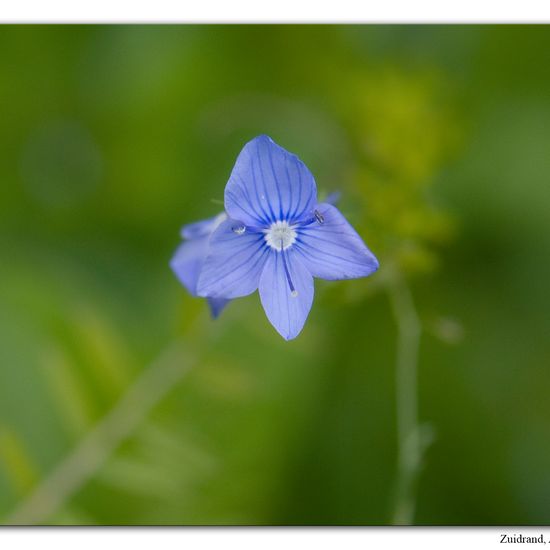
[
  {"x": 279, "y": 11},
  {"x": 262, "y": 538}
]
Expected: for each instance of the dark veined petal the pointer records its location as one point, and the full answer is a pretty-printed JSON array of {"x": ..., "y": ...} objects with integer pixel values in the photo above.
[
  {"x": 267, "y": 184},
  {"x": 234, "y": 263},
  {"x": 287, "y": 313},
  {"x": 188, "y": 261},
  {"x": 217, "y": 305},
  {"x": 332, "y": 249}
]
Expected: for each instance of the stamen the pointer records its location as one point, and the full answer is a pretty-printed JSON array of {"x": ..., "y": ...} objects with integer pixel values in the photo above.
[
  {"x": 239, "y": 229},
  {"x": 319, "y": 217},
  {"x": 293, "y": 291}
]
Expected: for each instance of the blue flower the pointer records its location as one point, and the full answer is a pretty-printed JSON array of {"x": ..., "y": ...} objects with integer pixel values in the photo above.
[
  {"x": 277, "y": 238},
  {"x": 189, "y": 258}
]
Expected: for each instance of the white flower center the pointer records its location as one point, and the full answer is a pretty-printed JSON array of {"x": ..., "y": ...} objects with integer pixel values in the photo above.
[{"x": 280, "y": 236}]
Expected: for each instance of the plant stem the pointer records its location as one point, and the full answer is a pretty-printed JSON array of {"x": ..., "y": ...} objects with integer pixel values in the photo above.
[
  {"x": 409, "y": 443},
  {"x": 117, "y": 425}
]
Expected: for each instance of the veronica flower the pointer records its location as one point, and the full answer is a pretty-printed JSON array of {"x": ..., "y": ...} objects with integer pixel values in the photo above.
[
  {"x": 189, "y": 258},
  {"x": 277, "y": 238}
]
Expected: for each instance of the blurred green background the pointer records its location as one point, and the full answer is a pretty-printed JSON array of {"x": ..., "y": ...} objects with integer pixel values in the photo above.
[{"x": 112, "y": 137}]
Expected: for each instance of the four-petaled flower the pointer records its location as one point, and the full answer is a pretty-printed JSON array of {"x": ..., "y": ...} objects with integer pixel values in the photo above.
[{"x": 276, "y": 238}]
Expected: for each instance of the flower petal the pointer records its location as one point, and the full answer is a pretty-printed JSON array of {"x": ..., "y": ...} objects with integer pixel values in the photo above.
[
  {"x": 217, "y": 305},
  {"x": 187, "y": 262},
  {"x": 267, "y": 184},
  {"x": 202, "y": 228},
  {"x": 333, "y": 198},
  {"x": 332, "y": 249},
  {"x": 284, "y": 311},
  {"x": 234, "y": 263}
]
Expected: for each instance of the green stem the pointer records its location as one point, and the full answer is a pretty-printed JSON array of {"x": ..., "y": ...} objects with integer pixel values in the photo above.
[
  {"x": 98, "y": 445},
  {"x": 409, "y": 442}
]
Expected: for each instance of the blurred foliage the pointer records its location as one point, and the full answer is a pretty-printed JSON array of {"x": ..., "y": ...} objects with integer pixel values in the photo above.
[{"x": 112, "y": 137}]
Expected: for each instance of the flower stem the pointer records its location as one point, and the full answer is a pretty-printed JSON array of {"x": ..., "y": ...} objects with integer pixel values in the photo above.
[
  {"x": 97, "y": 446},
  {"x": 410, "y": 446}
]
